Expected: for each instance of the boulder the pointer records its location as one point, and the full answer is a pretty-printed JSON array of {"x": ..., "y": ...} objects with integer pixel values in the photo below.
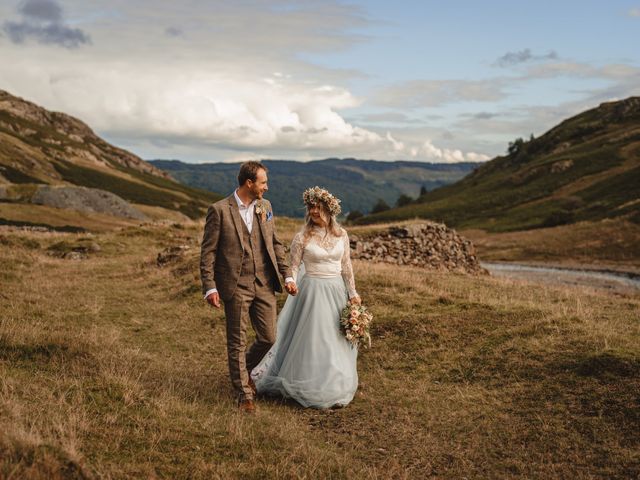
[{"x": 85, "y": 200}]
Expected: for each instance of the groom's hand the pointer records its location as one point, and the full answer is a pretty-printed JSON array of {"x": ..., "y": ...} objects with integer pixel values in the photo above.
[
  {"x": 214, "y": 299},
  {"x": 291, "y": 288}
]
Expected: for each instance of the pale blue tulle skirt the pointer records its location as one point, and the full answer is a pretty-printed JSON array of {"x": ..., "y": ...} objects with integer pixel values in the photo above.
[{"x": 311, "y": 361}]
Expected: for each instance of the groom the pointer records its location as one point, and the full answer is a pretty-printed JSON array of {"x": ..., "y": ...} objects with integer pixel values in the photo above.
[{"x": 239, "y": 263}]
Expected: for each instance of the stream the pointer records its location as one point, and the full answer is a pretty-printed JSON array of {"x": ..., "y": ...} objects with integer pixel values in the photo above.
[{"x": 608, "y": 280}]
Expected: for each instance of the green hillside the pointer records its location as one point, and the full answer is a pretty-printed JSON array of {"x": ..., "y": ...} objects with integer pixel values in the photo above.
[
  {"x": 586, "y": 168},
  {"x": 39, "y": 147},
  {"x": 358, "y": 183}
]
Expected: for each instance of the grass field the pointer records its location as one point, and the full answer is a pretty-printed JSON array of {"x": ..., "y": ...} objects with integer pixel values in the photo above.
[{"x": 112, "y": 367}]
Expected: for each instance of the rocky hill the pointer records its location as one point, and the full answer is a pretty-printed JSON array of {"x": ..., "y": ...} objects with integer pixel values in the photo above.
[
  {"x": 586, "y": 168},
  {"x": 40, "y": 148}
]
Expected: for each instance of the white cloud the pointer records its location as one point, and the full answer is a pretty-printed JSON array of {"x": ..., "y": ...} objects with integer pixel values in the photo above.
[
  {"x": 210, "y": 81},
  {"x": 432, "y": 93},
  {"x": 245, "y": 156},
  {"x": 446, "y": 155},
  {"x": 388, "y": 118},
  {"x": 618, "y": 71},
  {"x": 477, "y": 157},
  {"x": 172, "y": 106},
  {"x": 557, "y": 69},
  {"x": 397, "y": 146},
  {"x": 218, "y": 80},
  {"x": 612, "y": 71},
  {"x": 427, "y": 94}
]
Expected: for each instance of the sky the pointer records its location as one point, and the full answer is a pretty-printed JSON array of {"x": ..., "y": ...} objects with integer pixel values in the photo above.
[{"x": 227, "y": 81}]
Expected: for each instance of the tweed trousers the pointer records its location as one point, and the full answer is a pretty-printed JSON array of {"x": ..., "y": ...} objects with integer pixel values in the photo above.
[{"x": 252, "y": 303}]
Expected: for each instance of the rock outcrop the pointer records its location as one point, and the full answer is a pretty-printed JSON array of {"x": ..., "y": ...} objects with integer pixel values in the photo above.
[
  {"x": 427, "y": 245},
  {"x": 85, "y": 200}
]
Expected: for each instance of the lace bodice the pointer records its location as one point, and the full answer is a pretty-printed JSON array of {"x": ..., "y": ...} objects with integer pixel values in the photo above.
[{"x": 324, "y": 255}]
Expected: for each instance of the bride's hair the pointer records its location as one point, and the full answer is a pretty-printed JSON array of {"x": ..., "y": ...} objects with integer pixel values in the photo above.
[{"x": 331, "y": 224}]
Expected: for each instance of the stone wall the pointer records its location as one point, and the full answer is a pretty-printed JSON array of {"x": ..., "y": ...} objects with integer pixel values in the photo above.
[{"x": 426, "y": 245}]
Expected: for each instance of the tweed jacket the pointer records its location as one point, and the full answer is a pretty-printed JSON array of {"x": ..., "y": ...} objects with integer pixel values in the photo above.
[{"x": 222, "y": 247}]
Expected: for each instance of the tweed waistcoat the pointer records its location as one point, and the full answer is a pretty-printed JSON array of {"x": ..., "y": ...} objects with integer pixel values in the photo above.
[{"x": 255, "y": 262}]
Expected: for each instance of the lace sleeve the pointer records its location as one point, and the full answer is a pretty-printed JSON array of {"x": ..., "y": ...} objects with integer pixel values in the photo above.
[
  {"x": 297, "y": 248},
  {"x": 347, "y": 269}
]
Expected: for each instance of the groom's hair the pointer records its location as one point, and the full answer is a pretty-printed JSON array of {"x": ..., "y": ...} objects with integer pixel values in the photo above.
[{"x": 249, "y": 171}]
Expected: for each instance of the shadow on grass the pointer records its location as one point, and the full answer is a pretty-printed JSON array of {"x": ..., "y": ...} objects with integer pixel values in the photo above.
[
  {"x": 21, "y": 460},
  {"x": 41, "y": 353},
  {"x": 602, "y": 366},
  {"x": 276, "y": 401}
]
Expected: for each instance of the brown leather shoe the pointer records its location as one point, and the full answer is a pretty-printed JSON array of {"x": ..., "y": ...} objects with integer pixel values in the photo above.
[
  {"x": 247, "y": 405},
  {"x": 252, "y": 385}
]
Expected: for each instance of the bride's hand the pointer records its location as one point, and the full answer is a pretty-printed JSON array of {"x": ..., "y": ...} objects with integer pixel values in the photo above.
[{"x": 355, "y": 300}]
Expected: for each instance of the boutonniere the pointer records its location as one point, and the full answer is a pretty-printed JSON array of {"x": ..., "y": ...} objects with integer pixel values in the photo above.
[{"x": 261, "y": 209}]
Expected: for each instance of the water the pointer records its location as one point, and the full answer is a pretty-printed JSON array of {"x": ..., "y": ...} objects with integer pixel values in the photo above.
[{"x": 565, "y": 276}]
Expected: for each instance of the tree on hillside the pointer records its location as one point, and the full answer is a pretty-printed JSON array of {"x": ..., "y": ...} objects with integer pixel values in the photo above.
[
  {"x": 423, "y": 190},
  {"x": 403, "y": 200},
  {"x": 515, "y": 146},
  {"x": 519, "y": 145},
  {"x": 380, "y": 206}
]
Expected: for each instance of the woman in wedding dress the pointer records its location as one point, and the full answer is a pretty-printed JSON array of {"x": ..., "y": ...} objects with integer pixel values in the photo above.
[{"x": 311, "y": 361}]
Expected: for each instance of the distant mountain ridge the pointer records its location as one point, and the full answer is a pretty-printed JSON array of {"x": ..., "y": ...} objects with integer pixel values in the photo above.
[
  {"x": 43, "y": 148},
  {"x": 358, "y": 183},
  {"x": 585, "y": 168}
]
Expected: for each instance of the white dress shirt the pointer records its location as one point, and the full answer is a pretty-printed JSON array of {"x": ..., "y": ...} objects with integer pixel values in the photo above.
[{"x": 246, "y": 211}]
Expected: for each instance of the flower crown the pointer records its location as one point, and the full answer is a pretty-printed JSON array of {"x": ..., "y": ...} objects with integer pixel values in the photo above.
[{"x": 312, "y": 196}]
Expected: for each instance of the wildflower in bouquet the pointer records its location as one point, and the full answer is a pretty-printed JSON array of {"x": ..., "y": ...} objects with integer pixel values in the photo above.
[{"x": 355, "y": 321}]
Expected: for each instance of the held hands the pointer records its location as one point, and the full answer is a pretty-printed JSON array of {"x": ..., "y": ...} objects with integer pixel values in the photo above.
[
  {"x": 291, "y": 288},
  {"x": 355, "y": 300},
  {"x": 213, "y": 299}
]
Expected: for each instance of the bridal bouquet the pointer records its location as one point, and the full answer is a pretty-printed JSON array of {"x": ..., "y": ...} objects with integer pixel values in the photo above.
[{"x": 354, "y": 324}]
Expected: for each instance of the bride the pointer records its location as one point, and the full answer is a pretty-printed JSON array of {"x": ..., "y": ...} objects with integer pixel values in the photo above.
[{"x": 311, "y": 361}]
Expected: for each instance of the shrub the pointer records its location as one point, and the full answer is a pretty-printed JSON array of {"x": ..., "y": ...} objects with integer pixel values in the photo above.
[
  {"x": 403, "y": 200},
  {"x": 380, "y": 206},
  {"x": 354, "y": 215}
]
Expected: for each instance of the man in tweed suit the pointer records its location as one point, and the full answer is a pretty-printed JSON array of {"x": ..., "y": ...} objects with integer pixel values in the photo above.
[{"x": 240, "y": 259}]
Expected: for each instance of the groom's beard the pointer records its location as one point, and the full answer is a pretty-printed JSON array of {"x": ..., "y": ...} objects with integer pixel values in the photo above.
[{"x": 257, "y": 194}]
